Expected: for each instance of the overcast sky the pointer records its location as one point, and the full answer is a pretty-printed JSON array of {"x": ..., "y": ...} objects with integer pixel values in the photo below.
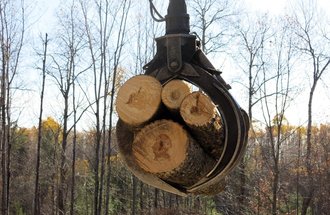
[
  {"x": 276, "y": 6},
  {"x": 47, "y": 21}
]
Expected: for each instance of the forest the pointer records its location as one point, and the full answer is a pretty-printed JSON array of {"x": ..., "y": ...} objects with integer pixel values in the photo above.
[{"x": 58, "y": 152}]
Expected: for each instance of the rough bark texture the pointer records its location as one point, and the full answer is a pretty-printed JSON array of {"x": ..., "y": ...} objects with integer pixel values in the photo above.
[
  {"x": 200, "y": 114},
  {"x": 139, "y": 100},
  {"x": 173, "y": 93},
  {"x": 214, "y": 189},
  {"x": 165, "y": 149}
]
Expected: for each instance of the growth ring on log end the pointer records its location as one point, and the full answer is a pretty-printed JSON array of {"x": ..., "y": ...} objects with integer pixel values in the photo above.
[
  {"x": 173, "y": 93},
  {"x": 160, "y": 146},
  {"x": 166, "y": 149},
  {"x": 138, "y": 100}
]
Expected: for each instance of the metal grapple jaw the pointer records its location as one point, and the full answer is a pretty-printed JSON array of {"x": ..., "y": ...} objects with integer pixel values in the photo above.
[{"x": 180, "y": 57}]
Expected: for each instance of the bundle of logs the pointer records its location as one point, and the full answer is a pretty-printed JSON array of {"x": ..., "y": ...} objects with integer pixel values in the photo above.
[{"x": 177, "y": 134}]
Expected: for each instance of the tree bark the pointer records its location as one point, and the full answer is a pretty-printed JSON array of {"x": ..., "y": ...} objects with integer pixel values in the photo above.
[
  {"x": 74, "y": 146},
  {"x": 134, "y": 194},
  {"x": 63, "y": 162},
  {"x": 173, "y": 94},
  {"x": 37, "y": 190},
  {"x": 3, "y": 140},
  {"x": 200, "y": 114},
  {"x": 165, "y": 149},
  {"x": 212, "y": 190},
  {"x": 139, "y": 100}
]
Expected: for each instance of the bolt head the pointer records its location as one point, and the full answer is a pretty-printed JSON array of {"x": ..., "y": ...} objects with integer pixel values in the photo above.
[{"x": 174, "y": 64}]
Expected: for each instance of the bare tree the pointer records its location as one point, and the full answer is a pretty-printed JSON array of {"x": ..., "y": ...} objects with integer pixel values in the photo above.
[
  {"x": 277, "y": 102},
  {"x": 105, "y": 59},
  {"x": 12, "y": 32},
  {"x": 70, "y": 44},
  {"x": 97, "y": 94},
  {"x": 115, "y": 75},
  {"x": 212, "y": 20},
  {"x": 144, "y": 40},
  {"x": 308, "y": 26},
  {"x": 74, "y": 144},
  {"x": 253, "y": 36},
  {"x": 37, "y": 188}
]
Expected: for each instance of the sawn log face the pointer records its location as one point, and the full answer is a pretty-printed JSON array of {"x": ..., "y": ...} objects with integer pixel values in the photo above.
[
  {"x": 200, "y": 114},
  {"x": 138, "y": 100},
  {"x": 165, "y": 149},
  {"x": 173, "y": 93}
]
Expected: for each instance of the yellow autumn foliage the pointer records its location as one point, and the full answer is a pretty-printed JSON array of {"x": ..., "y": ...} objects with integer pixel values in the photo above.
[{"x": 51, "y": 124}]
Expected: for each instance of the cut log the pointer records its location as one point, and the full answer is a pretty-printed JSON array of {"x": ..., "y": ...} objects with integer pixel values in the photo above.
[
  {"x": 173, "y": 93},
  {"x": 124, "y": 143},
  {"x": 138, "y": 100},
  {"x": 200, "y": 114},
  {"x": 165, "y": 149},
  {"x": 213, "y": 189}
]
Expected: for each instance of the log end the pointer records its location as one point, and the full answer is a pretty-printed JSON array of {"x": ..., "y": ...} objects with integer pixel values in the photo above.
[
  {"x": 138, "y": 100},
  {"x": 160, "y": 146},
  {"x": 197, "y": 109},
  {"x": 201, "y": 115},
  {"x": 174, "y": 92}
]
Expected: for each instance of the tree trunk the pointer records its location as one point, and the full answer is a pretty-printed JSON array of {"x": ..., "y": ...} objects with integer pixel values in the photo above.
[
  {"x": 62, "y": 178},
  {"x": 156, "y": 192},
  {"x": 74, "y": 146},
  {"x": 134, "y": 189},
  {"x": 165, "y": 149},
  {"x": 307, "y": 199},
  {"x": 173, "y": 94},
  {"x": 139, "y": 100},
  {"x": 200, "y": 114},
  {"x": 36, "y": 189},
  {"x": 141, "y": 198},
  {"x": 3, "y": 130}
]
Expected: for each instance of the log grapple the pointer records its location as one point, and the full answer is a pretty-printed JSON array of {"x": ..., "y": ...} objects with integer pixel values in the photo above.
[{"x": 179, "y": 56}]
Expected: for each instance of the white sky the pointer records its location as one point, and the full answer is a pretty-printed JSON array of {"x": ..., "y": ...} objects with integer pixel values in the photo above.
[
  {"x": 297, "y": 111},
  {"x": 273, "y": 6},
  {"x": 276, "y": 6},
  {"x": 47, "y": 20}
]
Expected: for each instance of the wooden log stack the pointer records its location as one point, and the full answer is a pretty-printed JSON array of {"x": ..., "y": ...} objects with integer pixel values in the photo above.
[{"x": 178, "y": 135}]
